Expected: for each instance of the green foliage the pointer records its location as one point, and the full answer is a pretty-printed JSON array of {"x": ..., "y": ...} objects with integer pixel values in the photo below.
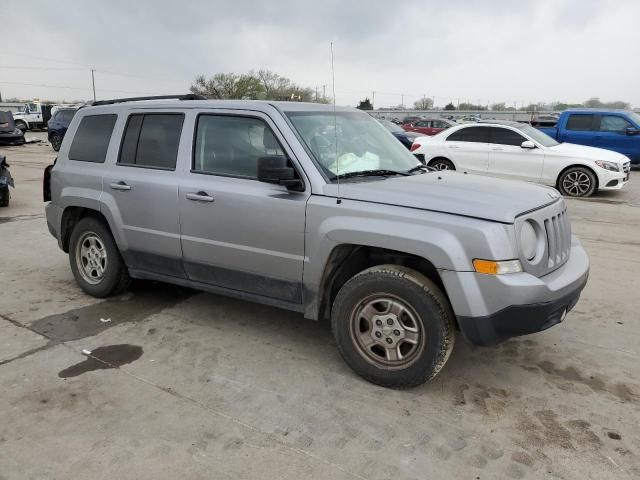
[
  {"x": 471, "y": 106},
  {"x": 260, "y": 85},
  {"x": 449, "y": 106},
  {"x": 365, "y": 104}
]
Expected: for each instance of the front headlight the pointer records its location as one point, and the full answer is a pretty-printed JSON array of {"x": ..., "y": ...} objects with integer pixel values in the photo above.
[
  {"x": 611, "y": 166},
  {"x": 528, "y": 241}
]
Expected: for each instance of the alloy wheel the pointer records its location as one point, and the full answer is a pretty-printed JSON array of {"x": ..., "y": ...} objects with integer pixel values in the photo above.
[
  {"x": 576, "y": 183},
  {"x": 91, "y": 258}
]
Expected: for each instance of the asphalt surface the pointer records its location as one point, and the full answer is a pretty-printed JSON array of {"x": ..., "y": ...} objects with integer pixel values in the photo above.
[{"x": 183, "y": 384}]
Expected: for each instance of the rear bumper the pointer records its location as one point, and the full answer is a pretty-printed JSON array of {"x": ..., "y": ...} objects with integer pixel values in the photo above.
[
  {"x": 493, "y": 308},
  {"x": 11, "y": 137}
]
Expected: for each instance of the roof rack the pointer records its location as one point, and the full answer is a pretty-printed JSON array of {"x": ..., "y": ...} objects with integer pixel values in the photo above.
[{"x": 188, "y": 96}]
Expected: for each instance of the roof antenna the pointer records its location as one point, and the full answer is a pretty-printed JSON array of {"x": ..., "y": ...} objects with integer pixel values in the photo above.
[{"x": 335, "y": 126}]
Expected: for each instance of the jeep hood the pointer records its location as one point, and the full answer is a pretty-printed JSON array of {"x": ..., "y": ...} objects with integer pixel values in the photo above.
[{"x": 450, "y": 192}]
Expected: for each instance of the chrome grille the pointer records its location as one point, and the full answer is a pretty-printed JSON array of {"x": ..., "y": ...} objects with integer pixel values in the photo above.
[
  {"x": 626, "y": 166},
  {"x": 558, "y": 230}
]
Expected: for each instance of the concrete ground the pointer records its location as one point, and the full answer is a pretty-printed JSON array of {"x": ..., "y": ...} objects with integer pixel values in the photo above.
[{"x": 209, "y": 387}]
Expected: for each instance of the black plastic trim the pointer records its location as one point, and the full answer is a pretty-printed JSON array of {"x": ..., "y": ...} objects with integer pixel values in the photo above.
[{"x": 517, "y": 320}]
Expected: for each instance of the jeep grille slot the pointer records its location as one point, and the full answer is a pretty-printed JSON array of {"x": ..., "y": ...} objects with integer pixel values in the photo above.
[{"x": 558, "y": 232}]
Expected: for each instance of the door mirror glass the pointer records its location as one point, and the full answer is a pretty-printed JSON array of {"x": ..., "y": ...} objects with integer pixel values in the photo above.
[
  {"x": 632, "y": 131},
  {"x": 276, "y": 169},
  {"x": 528, "y": 144}
]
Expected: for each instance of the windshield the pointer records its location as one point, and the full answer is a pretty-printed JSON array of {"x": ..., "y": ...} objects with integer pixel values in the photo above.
[
  {"x": 537, "y": 136},
  {"x": 347, "y": 142},
  {"x": 392, "y": 127}
]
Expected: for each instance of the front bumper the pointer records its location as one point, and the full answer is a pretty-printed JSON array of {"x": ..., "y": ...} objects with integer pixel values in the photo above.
[
  {"x": 612, "y": 180},
  {"x": 11, "y": 137},
  {"x": 493, "y": 308}
]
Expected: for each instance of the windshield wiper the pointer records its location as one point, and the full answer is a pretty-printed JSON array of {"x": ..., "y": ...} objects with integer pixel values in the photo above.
[
  {"x": 421, "y": 167},
  {"x": 371, "y": 173}
]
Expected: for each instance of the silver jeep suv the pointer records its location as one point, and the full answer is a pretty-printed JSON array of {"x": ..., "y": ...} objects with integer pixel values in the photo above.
[{"x": 315, "y": 210}]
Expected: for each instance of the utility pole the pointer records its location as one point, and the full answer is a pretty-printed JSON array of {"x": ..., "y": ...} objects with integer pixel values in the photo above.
[
  {"x": 324, "y": 92},
  {"x": 316, "y": 94},
  {"x": 93, "y": 84},
  {"x": 402, "y": 102},
  {"x": 373, "y": 98}
]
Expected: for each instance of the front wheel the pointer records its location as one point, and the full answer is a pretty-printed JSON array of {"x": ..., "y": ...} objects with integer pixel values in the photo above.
[
  {"x": 21, "y": 125},
  {"x": 393, "y": 326},
  {"x": 442, "y": 164},
  {"x": 577, "y": 182},
  {"x": 55, "y": 142},
  {"x": 95, "y": 260}
]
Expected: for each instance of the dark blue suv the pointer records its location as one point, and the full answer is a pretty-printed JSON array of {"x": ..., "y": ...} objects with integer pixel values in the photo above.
[{"x": 58, "y": 124}]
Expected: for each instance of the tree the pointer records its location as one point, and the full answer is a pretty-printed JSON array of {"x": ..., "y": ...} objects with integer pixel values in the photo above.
[
  {"x": 594, "y": 102},
  {"x": 277, "y": 87},
  {"x": 471, "y": 106},
  {"x": 228, "y": 86},
  {"x": 449, "y": 106},
  {"x": 425, "y": 103},
  {"x": 365, "y": 104},
  {"x": 498, "y": 107}
]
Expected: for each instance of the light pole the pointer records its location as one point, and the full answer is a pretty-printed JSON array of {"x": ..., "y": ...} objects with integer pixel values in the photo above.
[{"x": 93, "y": 84}]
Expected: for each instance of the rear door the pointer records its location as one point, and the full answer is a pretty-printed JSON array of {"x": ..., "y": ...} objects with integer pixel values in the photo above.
[
  {"x": 238, "y": 233},
  {"x": 468, "y": 148},
  {"x": 507, "y": 159},
  {"x": 611, "y": 133},
  {"x": 579, "y": 129},
  {"x": 142, "y": 189}
]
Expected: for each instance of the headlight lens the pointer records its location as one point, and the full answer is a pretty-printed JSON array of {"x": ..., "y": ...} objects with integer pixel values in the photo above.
[
  {"x": 528, "y": 241},
  {"x": 611, "y": 166}
]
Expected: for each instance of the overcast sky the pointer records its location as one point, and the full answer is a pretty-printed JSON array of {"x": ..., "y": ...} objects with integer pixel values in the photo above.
[{"x": 486, "y": 51}]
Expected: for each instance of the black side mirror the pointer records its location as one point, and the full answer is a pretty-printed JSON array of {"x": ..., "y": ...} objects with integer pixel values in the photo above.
[
  {"x": 632, "y": 131},
  {"x": 276, "y": 169}
]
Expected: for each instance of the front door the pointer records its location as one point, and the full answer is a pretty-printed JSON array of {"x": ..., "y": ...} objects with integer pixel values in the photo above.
[
  {"x": 578, "y": 129},
  {"x": 239, "y": 233},
  {"x": 507, "y": 159},
  {"x": 611, "y": 133}
]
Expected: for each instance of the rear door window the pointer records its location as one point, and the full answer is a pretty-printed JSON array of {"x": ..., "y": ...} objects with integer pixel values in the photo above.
[
  {"x": 92, "y": 138},
  {"x": 470, "y": 134},
  {"x": 504, "y": 136},
  {"x": 151, "y": 140},
  {"x": 580, "y": 122}
]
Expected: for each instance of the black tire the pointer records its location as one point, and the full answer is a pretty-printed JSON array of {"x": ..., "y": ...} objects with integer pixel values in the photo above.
[
  {"x": 442, "y": 164},
  {"x": 56, "y": 140},
  {"x": 115, "y": 276},
  {"x": 422, "y": 297},
  {"x": 577, "y": 182},
  {"x": 4, "y": 196},
  {"x": 21, "y": 126}
]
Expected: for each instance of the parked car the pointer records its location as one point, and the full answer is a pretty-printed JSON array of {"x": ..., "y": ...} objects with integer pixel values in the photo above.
[
  {"x": 617, "y": 130},
  {"x": 405, "y": 137},
  {"x": 58, "y": 124},
  {"x": 521, "y": 152},
  {"x": 9, "y": 133},
  {"x": 409, "y": 119},
  {"x": 473, "y": 118},
  {"x": 33, "y": 115},
  {"x": 314, "y": 209},
  {"x": 428, "y": 126}
]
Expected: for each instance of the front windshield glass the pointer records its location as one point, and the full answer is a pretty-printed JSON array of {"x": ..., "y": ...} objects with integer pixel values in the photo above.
[
  {"x": 537, "y": 136},
  {"x": 347, "y": 142},
  {"x": 392, "y": 127}
]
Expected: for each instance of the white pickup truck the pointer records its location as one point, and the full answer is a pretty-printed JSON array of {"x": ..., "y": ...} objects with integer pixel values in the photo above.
[{"x": 32, "y": 115}]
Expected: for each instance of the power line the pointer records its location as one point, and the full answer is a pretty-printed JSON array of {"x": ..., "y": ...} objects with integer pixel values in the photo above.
[{"x": 87, "y": 89}]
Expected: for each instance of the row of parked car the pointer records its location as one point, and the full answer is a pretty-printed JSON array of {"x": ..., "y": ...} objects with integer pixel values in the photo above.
[{"x": 586, "y": 151}]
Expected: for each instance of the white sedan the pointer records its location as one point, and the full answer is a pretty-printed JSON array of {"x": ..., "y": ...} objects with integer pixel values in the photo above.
[{"x": 521, "y": 152}]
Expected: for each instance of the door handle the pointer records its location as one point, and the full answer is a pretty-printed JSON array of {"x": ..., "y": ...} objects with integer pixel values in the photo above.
[
  {"x": 199, "y": 197},
  {"x": 497, "y": 149},
  {"x": 454, "y": 146},
  {"x": 120, "y": 186}
]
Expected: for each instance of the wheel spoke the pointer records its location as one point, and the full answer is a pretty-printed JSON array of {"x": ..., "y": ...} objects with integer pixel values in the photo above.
[
  {"x": 412, "y": 337},
  {"x": 392, "y": 354},
  {"x": 368, "y": 312}
]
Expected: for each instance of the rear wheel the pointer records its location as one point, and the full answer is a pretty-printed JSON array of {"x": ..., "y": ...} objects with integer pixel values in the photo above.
[
  {"x": 393, "y": 326},
  {"x": 442, "y": 164},
  {"x": 577, "y": 182},
  {"x": 95, "y": 260},
  {"x": 4, "y": 196},
  {"x": 21, "y": 125}
]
